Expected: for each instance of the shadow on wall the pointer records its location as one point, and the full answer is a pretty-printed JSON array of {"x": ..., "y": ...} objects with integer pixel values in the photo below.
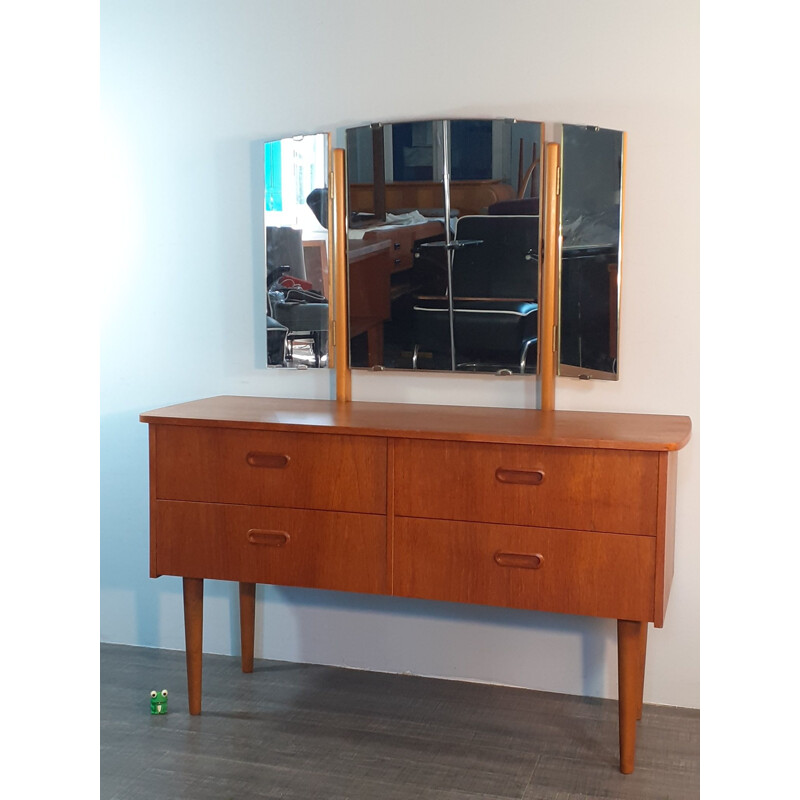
[
  {"x": 125, "y": 532},
  {"x": 452, "y": 640},
  {"x": 135, "y": 609}
]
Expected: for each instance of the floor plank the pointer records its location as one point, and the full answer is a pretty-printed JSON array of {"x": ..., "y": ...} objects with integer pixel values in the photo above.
[{"x": 303, "y": 731}]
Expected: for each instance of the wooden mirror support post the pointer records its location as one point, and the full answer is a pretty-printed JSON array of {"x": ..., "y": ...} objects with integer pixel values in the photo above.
[
  {"x": 341, "y": 335},
  {"x": 548, "y": 292}
]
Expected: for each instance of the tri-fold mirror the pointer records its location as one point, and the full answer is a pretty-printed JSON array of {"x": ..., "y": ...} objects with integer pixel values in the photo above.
[{"x": 444, "y": 244}]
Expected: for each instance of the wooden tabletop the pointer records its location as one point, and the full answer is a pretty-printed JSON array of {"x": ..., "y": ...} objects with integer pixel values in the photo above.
[{"x": 462, "y": 423}]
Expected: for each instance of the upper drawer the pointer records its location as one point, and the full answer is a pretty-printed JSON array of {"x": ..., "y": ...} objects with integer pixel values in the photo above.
[
  {"x": 297, "y": 470},
  {"x": 553, "y": 487}
]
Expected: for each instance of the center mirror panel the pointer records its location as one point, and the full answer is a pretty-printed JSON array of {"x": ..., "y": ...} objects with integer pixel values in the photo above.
[
  {"x": 297, "y": 245},
  {"x": 443, "y": 245}
]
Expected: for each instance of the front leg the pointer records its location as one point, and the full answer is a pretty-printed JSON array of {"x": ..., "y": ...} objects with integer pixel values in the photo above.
[
  {"x": 193, "y": 625},
  {"x": 631, "y": 644},
  {"x": 247, "y": 623}
]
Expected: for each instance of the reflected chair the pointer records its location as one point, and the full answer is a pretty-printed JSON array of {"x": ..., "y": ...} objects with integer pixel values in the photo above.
[
  {"x": 302, "y": 312},
  {"x": 495, "y": 279},
  {"x": 276, "y": 342},
  {"x": 317, "y": 201},
  {"x": 285, "y": 249}
]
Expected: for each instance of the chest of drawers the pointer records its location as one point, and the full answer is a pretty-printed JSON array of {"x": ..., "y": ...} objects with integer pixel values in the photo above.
[{"x": 567, "y": 512}]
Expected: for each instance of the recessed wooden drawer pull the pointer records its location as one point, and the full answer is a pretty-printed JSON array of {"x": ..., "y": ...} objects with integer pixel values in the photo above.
[
  {"x": 527, "y": 477},
  {"x": 524, "y": 560},
  {"x": 269, "y": 538},
  {"x": 268, "y": 460}
]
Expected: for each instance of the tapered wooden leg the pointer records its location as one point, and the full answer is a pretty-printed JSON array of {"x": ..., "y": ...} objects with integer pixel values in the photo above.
[
  {"x": 642, "y": 661},
  {"x": 247, "y": 623},
  {"x": 193, "y": 624},
  {"x": 629, "y": 652}
]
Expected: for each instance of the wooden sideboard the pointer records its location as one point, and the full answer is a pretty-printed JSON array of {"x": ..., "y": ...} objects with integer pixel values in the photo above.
[
  {"x": 556, "y": 511},
  {"x": 468, "y": 196}
]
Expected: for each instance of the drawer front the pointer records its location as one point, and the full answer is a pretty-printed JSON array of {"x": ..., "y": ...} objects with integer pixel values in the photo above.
[
  {"x": 400, "y": 251},
  {"x": 403, "y": 239},
  {"x": 287, "y": 547},
  {"x": 293, "y": 470},
  {"x": 551, "y": 487},
  {"x": 572, "y": 572}
]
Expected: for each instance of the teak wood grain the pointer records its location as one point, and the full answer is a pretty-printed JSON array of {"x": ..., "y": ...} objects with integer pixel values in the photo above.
[
  {"x": 576, "y": 572},
  {"x": 567, "y": 512},
  {"x": 577, "y": 488},
  {"x": 456, "y": 423},
  {"x": 665, "y": 550},
  {"x": 283, "y": 546},
  {"x": 247, "y": 623},
  {"x": 272, "y": 468}
]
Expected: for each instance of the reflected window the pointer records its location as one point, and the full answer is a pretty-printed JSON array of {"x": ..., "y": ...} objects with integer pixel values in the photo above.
[
  {"x": 296, "y": 246},
  {"x": 293, "y": 168},
  {"x": 412, "y": 151},
  {"x": 470, "y": 149}
]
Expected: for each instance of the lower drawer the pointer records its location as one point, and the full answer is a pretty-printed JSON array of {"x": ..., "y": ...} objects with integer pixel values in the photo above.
[
  {"x": 256, "y": 544},
  {"x": 572, "y": 572}
]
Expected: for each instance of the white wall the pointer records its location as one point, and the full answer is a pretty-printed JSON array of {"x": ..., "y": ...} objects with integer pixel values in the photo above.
[{"x": 189, "y": 90}]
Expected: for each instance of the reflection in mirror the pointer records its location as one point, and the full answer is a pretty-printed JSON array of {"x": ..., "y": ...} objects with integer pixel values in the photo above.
[
  {"x": 296, "y": 246},
  {"x": 426, "y": 295},
  {"x": 591, "y": 198},
  {"x": 396, "y": 200}
]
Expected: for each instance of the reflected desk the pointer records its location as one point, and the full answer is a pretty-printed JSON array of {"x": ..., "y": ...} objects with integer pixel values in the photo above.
[
  {"x": 315, "y": 255},
  {"x": 589, "y": 308},
  {"x": 561, "y": 511},
  {"x": 380, "y": 271},
  {"x": 369, "y": 289},
  {"x": 469, "y": 196}
]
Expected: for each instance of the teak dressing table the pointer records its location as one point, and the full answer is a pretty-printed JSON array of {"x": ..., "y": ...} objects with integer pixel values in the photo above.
[{"x": 557, "y": 511}]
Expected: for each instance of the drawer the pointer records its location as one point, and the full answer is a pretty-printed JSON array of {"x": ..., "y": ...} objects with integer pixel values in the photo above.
[
  {"x": 550, "y": 487},
  {"x": 401, "y": 261},
  {"x": 255, "y": 544},
  {"x": 572, "y": 572},
  {"x": 403, "y": 239},
  {"x": 298, "y": 470},
  {"x": 399, "y": 253}
]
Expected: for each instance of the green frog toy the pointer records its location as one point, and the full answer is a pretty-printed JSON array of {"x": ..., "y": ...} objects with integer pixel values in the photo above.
[{"x": 158, "y": 702}]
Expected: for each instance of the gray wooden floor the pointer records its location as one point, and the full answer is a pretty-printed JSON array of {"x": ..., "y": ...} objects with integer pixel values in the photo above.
[{"x": 300, "y": 731}]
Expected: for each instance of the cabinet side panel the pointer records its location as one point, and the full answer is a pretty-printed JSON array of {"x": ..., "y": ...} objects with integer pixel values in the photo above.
[
  {"x": 390, "y": 516},
  {"x": 665, "y": 537},
  {"x": 153, "y": 495}
]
